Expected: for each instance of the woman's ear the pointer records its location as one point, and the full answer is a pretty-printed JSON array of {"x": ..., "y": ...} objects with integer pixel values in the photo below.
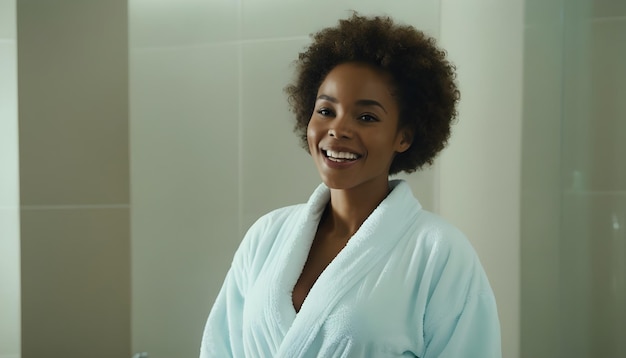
[{"x": 405, "y": 139}]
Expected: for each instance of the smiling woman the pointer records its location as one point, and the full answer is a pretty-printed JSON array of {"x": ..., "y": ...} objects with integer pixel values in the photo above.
[
  {"x": 354, "y": 127},
  {"x": 361, "y": 269}
]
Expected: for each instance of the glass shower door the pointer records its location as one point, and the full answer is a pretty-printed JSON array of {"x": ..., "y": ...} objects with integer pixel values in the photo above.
[{"x": 574, "y": 180}]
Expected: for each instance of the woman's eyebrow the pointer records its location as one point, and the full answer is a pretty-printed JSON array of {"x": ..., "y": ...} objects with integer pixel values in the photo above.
[
  {"x": 370, "y": 102},
  {"x": 360, "y": 102},
  {"x": 327, "y": 98}
]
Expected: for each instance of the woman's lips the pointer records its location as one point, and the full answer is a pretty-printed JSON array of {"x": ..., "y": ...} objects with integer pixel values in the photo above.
[
  {"x": 340, "y": 155},
  {"x": 339, "y": 159}
]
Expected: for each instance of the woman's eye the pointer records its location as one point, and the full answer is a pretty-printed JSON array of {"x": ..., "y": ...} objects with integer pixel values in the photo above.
[
  {"x": 368, "y": 118},
  {"x": 324, "y": 112}
]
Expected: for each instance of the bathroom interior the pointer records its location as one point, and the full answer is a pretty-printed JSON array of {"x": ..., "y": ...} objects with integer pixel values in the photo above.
[{"x": 139, "y": 139}]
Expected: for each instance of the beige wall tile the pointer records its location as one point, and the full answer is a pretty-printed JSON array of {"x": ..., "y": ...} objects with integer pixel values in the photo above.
[
  {"x": 7, "y": 19},
  {"x": 285, "y": 18},
  {"x": 180, "y": 259},
  {"x": 424, "y": 186},
  {"x": 185, "y": 202},
  {"x": 73, "y": 102},
  {"x": 276, "y": 171},
  {"x": 75, "y": 283},
  {"x": 480, "y": 171},
  {"x": 543, "y": 12},
  {"x": 9, "y": 166},
  {"x": 10, "y": 330},
  {"x": 540, "y": 190},
  {"x": 184, "y": 124},
  {"x": 182, "y": 23},
  {"x": 9, "y": 281},
  {"x": 74, "y": 161}
]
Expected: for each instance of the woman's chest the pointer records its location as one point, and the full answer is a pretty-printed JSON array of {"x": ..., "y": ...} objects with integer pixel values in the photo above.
[
  {"x": 375, "y": 314},
  {"x": 323, "y": 251}
]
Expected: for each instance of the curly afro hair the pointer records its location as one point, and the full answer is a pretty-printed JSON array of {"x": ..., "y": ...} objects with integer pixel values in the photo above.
[{"x": 423, "y": 80}]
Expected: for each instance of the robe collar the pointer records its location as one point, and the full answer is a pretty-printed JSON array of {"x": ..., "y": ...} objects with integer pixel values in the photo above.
[{"x": 372, "y": 242}]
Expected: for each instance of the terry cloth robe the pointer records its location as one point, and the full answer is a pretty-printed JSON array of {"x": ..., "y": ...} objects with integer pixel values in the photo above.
[{"x": 406, "y": 284}]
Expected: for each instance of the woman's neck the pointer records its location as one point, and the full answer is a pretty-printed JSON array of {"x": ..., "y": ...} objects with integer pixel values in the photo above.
[{"x": 348, "y": 208}]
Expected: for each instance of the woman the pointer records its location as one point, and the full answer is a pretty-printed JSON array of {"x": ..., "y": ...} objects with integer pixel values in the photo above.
[{"x": 360, "y": 270}]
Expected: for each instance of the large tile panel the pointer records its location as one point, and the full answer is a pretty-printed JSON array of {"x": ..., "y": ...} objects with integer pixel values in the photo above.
[
  {"x": 540, "y": 190},
  {"x": 9, "y": 281},
  {"x": 75, "y": 283},
  {"x": 73, "y": 94},
  {"x": 167, "y": 23},
  {"x": 276, "y": 171},
  {"x": 184, "y": 127},
  {"x": 480, "y": 170},
  {"x": 424, "y": 185},
  {"x": 9, "y": 167},
  {"x": 7, "y": 19},
  {"x": 184, "y": 179},
  {"x": 180, "y": 260},
  {"x": 286, "y": 18},
  {"x": 543, "y": 12}
]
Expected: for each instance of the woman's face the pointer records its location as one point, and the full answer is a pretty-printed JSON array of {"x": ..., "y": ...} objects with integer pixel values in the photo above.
[{"x": 353, "y": 132}]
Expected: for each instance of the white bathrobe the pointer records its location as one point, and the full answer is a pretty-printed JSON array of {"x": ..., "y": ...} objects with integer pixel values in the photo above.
[{"x": 407, "y": 284}]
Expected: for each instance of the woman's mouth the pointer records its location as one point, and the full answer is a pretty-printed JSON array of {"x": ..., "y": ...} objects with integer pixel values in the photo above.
[{"x": 340, "y": 156}]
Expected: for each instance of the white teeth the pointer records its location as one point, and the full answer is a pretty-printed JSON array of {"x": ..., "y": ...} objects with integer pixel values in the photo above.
[{"x": 341, "y": 155}]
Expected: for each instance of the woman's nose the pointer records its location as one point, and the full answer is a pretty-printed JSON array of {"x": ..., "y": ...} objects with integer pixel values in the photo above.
[{"x": 340, "y": 127}]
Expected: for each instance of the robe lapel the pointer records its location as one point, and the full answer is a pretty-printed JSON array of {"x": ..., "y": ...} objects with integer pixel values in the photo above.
[
  {"x": 372, "y": 243},
  {"x": 291, "y": 261}
]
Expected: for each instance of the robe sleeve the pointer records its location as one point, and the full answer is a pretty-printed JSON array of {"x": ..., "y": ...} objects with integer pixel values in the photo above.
[
  {"x": 475, "y": 332},
  {"x": 223, "y": 333},
  {"x": 463, "y": 316}
]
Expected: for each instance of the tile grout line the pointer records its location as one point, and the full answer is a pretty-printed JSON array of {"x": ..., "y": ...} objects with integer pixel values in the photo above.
[
  {"x": 593, "y": 20},
  {"x": 74, "y": 207},
  {"x": 220, "y": 43},
  {"x": 608, "y": 18},
  {"x": 240, "y": 122}
]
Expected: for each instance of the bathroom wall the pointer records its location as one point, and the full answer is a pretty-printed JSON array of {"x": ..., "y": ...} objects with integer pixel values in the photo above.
[
  {"x": 480, "y": 171},
  {"x": 9, "y": 186},
  {"x": 212, "y": 147},
  {"x": 210, "y": 135},
  {"x": 74, "y": 177},
  {"x": 541, "y": 167}
]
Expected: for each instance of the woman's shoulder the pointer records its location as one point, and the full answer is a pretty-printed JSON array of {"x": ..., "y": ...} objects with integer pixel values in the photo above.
[
  {"x": 449, "y": 252},
  {"x": 446, "y": 247},
  {"x": 433, "y": 230}
]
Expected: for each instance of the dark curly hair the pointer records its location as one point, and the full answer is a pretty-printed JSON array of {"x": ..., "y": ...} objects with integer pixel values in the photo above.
[{"x": 423, "y": 80}]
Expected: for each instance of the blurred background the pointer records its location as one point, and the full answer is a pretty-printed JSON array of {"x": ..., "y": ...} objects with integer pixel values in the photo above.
[{"x": 139, "y": 139}]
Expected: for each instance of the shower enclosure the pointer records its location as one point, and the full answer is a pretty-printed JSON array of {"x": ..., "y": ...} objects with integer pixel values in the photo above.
[{"x": 574, "y": 180}]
